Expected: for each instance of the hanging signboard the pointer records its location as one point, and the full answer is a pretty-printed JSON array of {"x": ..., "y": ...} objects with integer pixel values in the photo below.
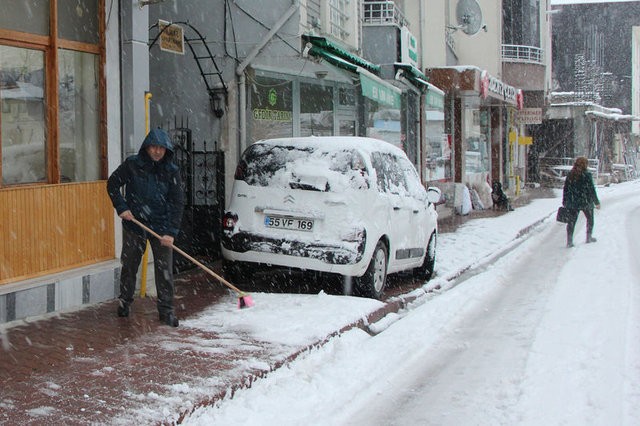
[
  {"x": 408, "y": 47},
  {"x": 529, "y": 116},
  {"x": 171, "y": 37}
]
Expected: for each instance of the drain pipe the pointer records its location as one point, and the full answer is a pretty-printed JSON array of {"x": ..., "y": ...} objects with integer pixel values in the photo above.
[{"x": 242, "y": 79}]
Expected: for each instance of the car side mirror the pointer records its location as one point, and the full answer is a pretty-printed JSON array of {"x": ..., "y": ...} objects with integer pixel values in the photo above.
[{"x": 434, "y": 195}]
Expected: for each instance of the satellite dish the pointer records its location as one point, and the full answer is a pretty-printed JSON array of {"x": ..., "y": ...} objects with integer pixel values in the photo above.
[{"x": 469, "y": 16}]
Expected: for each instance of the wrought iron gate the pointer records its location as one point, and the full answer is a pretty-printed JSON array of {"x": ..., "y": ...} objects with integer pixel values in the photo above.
[{"x": 202, "y": 172}]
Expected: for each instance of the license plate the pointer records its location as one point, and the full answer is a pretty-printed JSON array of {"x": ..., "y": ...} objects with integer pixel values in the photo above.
[{"x": 283, "y": 222}]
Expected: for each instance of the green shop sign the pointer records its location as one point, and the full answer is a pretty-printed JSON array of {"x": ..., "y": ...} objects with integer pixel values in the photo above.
[
  {"x": 271, "y": 115},
  {"x": 379, "y": 91}
]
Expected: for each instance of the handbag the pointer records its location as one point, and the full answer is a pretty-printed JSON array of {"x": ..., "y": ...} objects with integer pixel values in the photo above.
[{"x": 563, "y": 215}]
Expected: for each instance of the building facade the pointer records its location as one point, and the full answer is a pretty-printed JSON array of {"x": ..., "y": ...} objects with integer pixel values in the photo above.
[
  {"x": 59, "y": 93},
  {"x": 462, "y": 55}
]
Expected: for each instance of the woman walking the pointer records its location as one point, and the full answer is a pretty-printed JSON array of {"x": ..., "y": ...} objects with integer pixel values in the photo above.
[{"x": 579, "y": 194}]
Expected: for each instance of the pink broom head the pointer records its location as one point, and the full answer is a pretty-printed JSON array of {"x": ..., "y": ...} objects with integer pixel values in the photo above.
[{"x": 245, "y": 301}]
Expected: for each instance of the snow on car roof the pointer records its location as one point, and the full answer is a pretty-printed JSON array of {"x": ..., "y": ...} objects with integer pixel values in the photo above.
[{"x": 336, "y": 143}]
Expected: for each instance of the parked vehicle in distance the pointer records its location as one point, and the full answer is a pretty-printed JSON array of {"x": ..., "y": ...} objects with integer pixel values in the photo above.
[{"x": 345, "y": 205}]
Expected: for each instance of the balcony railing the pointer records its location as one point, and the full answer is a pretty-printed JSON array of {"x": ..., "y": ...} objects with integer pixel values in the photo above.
[
  {"x": 383, "y": 13},
  {"x": 525, "y": 54}
]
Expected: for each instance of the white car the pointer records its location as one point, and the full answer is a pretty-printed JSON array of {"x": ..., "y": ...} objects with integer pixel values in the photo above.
[{"x": 345, "y": 205}]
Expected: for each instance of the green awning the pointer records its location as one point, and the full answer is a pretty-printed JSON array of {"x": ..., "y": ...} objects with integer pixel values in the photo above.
[
  {"x": 434, "y": 97},
  {"x": 331, "y": 48},
  {"x": 333, "y": 59},
  {"x": 413, "y": 73},
  {"x": 379, "y": 90}
]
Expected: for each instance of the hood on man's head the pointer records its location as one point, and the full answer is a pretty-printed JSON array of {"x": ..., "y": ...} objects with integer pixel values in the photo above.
[{"x": 157, "y": 137}]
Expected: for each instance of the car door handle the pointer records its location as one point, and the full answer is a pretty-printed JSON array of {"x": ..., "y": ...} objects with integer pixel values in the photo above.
[
  {"x": 416, "y": 211},
  {"x": 396, "y": 208}
]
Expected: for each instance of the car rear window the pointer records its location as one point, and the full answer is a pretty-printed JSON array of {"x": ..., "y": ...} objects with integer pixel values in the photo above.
[{"x": 308, "y": 168}]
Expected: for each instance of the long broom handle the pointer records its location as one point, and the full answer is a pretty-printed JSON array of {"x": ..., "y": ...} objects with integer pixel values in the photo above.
[{"x": 209, "y": 271}]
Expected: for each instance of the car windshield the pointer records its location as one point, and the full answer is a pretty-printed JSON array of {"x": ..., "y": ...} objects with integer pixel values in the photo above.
[{"x": 310, "y": 168}]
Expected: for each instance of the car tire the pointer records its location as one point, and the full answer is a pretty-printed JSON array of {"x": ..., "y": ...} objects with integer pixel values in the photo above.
[
  {"x": 425, "y": 272},
  {"x": 374, "y": 280}
]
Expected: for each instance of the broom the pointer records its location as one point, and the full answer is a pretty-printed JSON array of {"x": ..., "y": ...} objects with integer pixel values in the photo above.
[{"x": 244, "y": 300}]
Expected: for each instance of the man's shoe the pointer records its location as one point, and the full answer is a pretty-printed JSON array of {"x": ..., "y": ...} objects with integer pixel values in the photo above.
[
  {"x": 591, "y": 240},
  {"x": 123, "y": 309},
  {"x": 569, "y": 245},
  {"x": 169, "y": 319}
]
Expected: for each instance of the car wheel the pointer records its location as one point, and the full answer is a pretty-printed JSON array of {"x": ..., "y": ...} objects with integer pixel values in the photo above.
[
  {"x": 425, "y": 272},
  {"x": 373, "y": 282}
]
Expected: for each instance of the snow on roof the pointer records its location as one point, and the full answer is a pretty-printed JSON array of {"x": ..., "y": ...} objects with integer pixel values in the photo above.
[
  {"x": 459, "y": 68},
  {"x": 612, "y": 116}
]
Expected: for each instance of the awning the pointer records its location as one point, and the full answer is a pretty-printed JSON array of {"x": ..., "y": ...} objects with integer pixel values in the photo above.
[
  {"x": 412, "y": 73},
  {"x": 375, "y": 88},
  {"x": 434, "y": 97},
  {"x": 331, "y": 49},
  {"x": 333, "y": 59}
]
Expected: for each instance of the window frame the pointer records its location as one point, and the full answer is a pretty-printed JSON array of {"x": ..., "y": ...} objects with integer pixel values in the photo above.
[{"x": 50, "y": 45}]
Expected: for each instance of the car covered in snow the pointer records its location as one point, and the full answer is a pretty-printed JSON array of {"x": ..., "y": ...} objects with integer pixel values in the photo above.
[{"x": 352, "y": 206}]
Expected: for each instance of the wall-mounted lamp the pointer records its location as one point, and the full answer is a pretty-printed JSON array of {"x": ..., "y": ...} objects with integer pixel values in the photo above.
[
  {"x": 321, "y": 74},
  {"x": 218, "y": 100}
]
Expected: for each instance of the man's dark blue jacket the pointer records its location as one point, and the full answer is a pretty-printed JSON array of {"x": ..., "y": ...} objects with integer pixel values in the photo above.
[{"x": 152, "y": 190}]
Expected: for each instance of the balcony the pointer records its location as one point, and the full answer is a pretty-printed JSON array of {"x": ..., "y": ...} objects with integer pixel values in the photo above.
[
  {"x": 522, "y": 54},
  {"x": 383, "y": 13}
]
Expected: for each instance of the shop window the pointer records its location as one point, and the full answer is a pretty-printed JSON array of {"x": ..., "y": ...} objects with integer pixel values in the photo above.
[
  {"x": 51, "y": 136},
  {"x": 271, "y": 108},
  {"x": 316, "y": 110},
  {"x": 477, "y": 145},
  {"x": 23, "y": 124},
  {"x": 384, "y": 123},
  {"x": 347, "y": 128},
  {"x": 78, "y": 116},
  {"x": 438, "y": 151},
  {"x": 346, "y": 97}
]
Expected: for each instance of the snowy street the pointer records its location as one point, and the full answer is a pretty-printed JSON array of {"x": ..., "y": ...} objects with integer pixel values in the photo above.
[{"x": 542, "y": 335}]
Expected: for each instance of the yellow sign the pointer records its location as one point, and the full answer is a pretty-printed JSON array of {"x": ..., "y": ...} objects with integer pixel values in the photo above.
[
  {"x": 171, "y": 37},
  {"x": 522, "y": 140},
  {"x": 525, "y": 140}
]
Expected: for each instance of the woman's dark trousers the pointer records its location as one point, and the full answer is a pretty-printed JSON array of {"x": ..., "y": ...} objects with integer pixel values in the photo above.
[
  {"x": 588, "y": 213},
  {"x": 133, "y": 246}
]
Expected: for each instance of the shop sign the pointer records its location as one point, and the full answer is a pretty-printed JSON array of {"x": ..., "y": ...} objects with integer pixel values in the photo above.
[
  {"x": 171, "y": 37},
  {"x": 271, "y": 115},
  {"x": 408, "y": 47},
  {"x": 379, "y": 91},
  {"x": 491, "y": 86},
  {"x": 529, "y": 116},
  {"x": 525, "y": 140},
  {"x": 522, "y": 140}
]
